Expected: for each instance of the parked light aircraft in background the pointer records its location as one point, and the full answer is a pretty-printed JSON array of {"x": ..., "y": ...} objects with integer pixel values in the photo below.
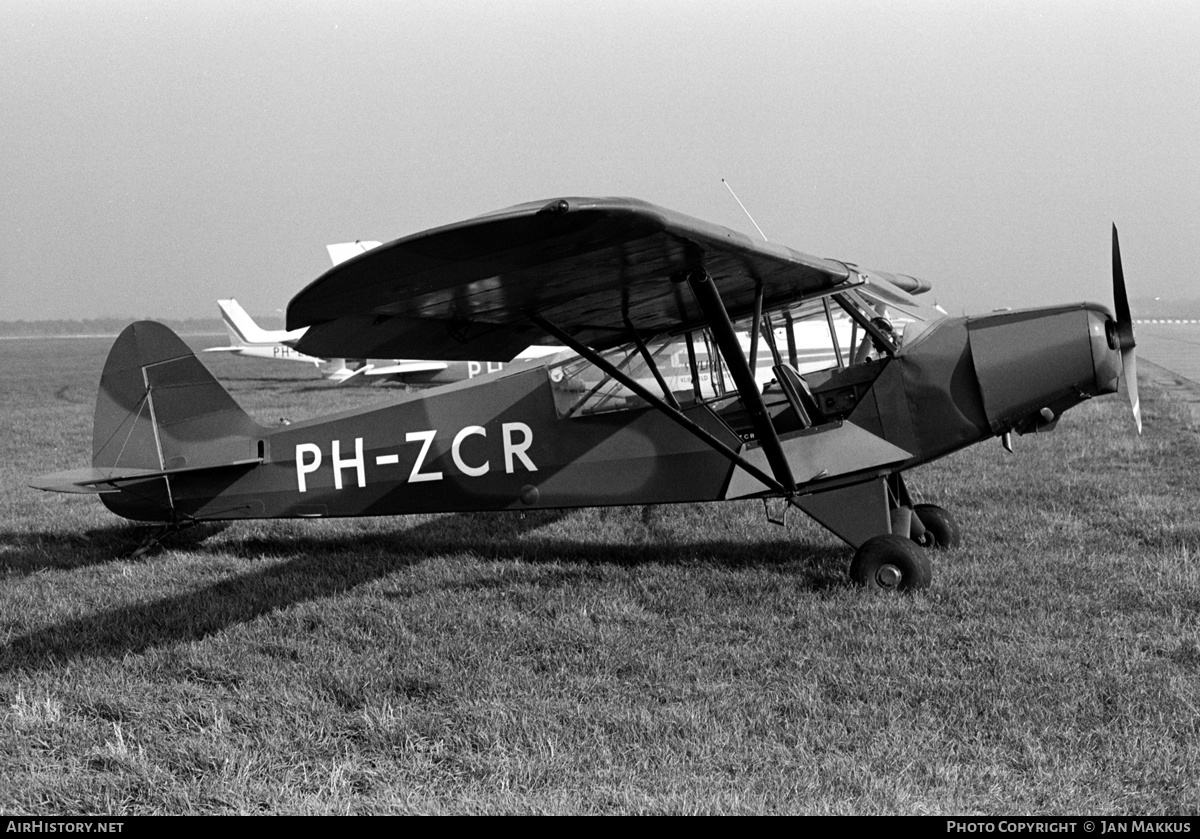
[
  {"x": 249, "y": 340},
  {"x": 635, "y": 291}
]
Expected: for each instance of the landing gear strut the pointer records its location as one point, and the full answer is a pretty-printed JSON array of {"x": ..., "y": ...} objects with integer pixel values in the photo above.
[
  {"x": 891, "y": 532},
  {"x": 897, "y": 561}
]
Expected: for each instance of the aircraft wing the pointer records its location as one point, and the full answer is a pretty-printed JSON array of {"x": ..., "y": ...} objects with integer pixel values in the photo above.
[{"x": 587, "y": 265}]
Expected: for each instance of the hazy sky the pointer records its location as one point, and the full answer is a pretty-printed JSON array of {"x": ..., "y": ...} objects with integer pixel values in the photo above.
[{"x": 156, "y": 156}]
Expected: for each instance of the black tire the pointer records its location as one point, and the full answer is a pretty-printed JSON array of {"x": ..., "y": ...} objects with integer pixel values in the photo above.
[
  {"x": 891, "y": 563},
  {"x": 941, "y": 528}
]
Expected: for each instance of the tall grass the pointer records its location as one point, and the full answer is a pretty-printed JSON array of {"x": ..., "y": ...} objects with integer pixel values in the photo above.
[{"x": 689, "y": 659}]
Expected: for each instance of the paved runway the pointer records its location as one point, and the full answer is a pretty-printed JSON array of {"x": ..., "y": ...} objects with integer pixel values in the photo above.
[
  {"x": 1175, "y": 346},
  {"x": 1169, "y": 355}
]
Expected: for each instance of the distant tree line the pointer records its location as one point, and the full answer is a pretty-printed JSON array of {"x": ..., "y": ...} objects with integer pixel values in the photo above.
[{"x": 103, "y": 326}]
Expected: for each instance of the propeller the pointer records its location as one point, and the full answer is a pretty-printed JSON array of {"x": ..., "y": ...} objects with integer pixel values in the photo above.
[{"x": 1123, "y": 332}]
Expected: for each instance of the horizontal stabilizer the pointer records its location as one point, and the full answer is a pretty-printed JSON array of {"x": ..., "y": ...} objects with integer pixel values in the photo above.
[
  {"x": 96, "y": 479},
  {"x": 159, "y": 414}
]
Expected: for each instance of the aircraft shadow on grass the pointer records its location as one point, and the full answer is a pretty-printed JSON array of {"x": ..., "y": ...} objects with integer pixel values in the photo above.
[
  {"x": 26, "y": 553},
  {"x": 310, "y": 575}
]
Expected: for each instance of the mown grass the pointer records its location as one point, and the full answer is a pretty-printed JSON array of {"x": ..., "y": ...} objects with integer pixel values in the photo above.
[{"x": 690, "y": 659}]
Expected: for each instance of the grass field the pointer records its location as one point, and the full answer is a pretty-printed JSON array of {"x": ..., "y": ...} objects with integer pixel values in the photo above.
[{"x": 691, "y": 659}]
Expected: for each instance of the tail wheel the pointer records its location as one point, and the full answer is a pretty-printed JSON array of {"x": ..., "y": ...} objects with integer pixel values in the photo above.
[
  {"x": 891, "y": 563},
  {"x": 941, "y": 528}
]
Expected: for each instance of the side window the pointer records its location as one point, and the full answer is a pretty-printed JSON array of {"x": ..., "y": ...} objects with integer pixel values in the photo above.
[
  {"x": 836, "y": 348},
  {"x": 688, "y": 366},
  {"x": 811, "y": 336},
  {"x": 581, "y": 388},
  {"x": 712, "y": 373}
]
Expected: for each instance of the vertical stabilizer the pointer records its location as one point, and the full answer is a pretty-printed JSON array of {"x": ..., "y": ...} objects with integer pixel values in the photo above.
[
  {"x": 243, "y": 331},
  {"x": 159, "y": 407}
]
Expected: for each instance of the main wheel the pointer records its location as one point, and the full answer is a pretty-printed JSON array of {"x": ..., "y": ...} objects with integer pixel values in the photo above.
[
  {"x": 891, "y": 563},
  {"x": 941, "y": 529}
]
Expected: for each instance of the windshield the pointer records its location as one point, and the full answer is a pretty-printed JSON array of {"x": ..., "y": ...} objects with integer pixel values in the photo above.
[{"x": 908, "y": 316}]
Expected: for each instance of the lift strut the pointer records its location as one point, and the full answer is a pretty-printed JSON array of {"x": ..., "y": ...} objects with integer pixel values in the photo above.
[
  {"x": 673, "y": 413},
  {"x": 743, "y": 377}
]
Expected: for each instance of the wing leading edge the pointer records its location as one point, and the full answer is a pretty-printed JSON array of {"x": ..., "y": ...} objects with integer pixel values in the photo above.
[{"x": 590, "y": 266}]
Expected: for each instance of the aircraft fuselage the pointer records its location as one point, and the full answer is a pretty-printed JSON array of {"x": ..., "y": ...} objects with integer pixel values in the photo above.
[{"x": 503, "y": 443}]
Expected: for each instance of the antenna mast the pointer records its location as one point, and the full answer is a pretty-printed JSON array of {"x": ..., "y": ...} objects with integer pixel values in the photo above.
[{"x": 744, "y": 210}]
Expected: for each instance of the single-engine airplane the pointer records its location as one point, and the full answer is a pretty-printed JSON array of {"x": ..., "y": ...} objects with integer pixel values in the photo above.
[{"x": 634, "y": 291}]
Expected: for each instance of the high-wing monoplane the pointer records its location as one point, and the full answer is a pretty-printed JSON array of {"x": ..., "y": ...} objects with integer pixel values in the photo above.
[{"x": 666, "y": 318}]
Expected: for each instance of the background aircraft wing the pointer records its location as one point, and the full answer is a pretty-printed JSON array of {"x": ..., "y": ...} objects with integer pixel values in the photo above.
[
  {"x": 465, "y": 291},
  {"x": 369, "y": 370},
  {"x": 407, "y": 368}
]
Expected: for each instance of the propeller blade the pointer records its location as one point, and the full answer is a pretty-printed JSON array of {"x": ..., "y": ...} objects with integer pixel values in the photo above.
[
  {"x": 1120, "y": 298},
  {"x": 1125, "y": 331},
  {"x": 1129, "y": 371}
]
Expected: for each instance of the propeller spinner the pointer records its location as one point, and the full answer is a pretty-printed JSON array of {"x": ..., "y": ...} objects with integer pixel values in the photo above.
[{"x": 1122, "y": 333}]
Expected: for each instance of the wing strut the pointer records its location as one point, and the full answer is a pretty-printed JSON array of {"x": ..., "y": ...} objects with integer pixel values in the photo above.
[
  {"x": 727, "y": 341},
  {"x": 756, "y": 325},
  {"x": 649, "y": 360},
  {"x": 675, "y": 414}
]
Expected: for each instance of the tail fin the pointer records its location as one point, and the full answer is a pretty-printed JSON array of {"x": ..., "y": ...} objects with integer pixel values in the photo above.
[
  {"x": 342, "y": 251},
  {"x": 236, "y": 338},
  {"x": 244, "y": 331},
  {"x": 159, "y": 413},
  {"x": 159, "y": 408}
]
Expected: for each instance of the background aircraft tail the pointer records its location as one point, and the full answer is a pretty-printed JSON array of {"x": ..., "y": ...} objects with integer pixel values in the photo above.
[
  {"x": 244, "y": 331},
  {"x": 342, "y": 251}
]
